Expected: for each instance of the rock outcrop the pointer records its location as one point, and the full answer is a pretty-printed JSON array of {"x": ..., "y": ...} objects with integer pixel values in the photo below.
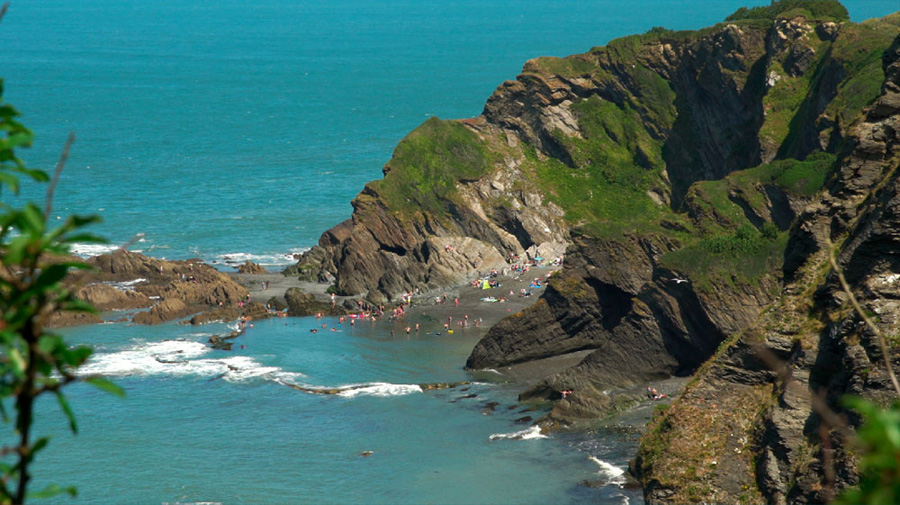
[
  {"x": 172, "y": 290},
  {"x": 386, "y": 250},
  {"x": 660, "y": 303},
  {"x": 106, "y": 297},
  {"x": 300, "y": 304},
  {"x": 250, "y": 268}
]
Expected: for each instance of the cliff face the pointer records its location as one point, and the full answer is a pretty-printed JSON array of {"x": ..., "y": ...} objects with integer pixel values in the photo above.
[
  {"x": 656, "y": 301},
  {"x": 738, "y": 419},
  {"x": 453, "y": 203},
  {"x": 694, "y": 177}
]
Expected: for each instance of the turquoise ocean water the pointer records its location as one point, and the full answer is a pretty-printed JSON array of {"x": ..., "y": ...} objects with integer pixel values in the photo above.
[{"x": 242, "y": 129}]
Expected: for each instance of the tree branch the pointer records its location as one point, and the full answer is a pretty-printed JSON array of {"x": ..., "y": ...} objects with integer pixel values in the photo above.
[
  {"x": 48, "y": 206},
  {"x": 885, "y": 352}
]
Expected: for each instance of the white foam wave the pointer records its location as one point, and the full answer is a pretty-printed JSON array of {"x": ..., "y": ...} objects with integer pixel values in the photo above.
[
  {"x": 380, "y": 389},
  {"x": 179, "y": 358},
  {"x": 90, "y": 250},
  {"x": 274, "y": 259},
  {"x": 614, "y": 474},
  {"x": 126, "y": 285},
  {"x": 531, "y": 433},
  {"x": 192, "y": 503}
]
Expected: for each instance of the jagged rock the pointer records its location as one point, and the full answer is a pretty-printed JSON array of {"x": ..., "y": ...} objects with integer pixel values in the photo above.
[
  {"x": 250, "y": 268},
  {"x": 301, "y": 304},
  {"x": 165, "y": 310},
  {"x": 63, "y": 319},
  {"x": 183, "y": 287},
  {"x": 276, "y": 304},
  {"x": 105, "y": 297}
]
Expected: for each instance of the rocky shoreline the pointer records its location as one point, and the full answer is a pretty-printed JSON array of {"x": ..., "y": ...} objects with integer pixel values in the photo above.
[{"x": 153, "y": 291}]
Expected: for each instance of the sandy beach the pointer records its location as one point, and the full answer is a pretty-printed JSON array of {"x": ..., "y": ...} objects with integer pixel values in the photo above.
[{"x": 431, "y": 316}]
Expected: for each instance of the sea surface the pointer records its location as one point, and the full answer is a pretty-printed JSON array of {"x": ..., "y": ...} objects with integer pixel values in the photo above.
[{"x": 242, "y": 129}]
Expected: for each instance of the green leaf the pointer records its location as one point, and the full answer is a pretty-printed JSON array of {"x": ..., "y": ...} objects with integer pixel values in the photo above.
[
  {"x": 81, "y": 221},
  {"x": 19, "y": 139},
  {"x": 67, "y": 410},
  {"x": 17, "y": 362},
  {"x": 53, "y": 490},
  {"x": 51, "y": 275},
  {"x": 11, "y": 181},
  {"x": 106, "y": 385},
  {"x": 15, "y": 250},
  {"x": 85, "y": 238},
  {"x": 39, "y": 445},
  {"x": 76, "y": 356},
  {"x": 33, "y": 219}
]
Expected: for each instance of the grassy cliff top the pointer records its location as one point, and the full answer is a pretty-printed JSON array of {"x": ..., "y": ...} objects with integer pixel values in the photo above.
[{"x": 822, "y": 10}]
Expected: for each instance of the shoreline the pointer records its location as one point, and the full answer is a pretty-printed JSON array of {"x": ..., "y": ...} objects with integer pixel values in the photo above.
[{"x": 431, "y": 317}]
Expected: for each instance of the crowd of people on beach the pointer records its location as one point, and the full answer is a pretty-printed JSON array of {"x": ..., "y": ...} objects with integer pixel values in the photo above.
[{"x": 365, "y": 311}]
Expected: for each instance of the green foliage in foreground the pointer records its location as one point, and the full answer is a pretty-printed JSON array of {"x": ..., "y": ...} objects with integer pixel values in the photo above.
[
  {"x": 879, "y": 467},
  {"x": 816, "y": 9},
  {"x": 33, "y": 361},
  {"x": 428, "y": 164}
]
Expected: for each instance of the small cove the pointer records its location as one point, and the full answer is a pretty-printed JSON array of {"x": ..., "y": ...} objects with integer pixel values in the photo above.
[{"x": 236, "y": 132}]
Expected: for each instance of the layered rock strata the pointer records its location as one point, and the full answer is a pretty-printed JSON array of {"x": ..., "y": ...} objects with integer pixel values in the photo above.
[{"x": 768, "y": 427}]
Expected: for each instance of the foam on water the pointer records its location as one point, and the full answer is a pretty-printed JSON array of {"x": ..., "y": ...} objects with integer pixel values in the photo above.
[
  {"x": 90, "y": 250},
  {"x": 268, "y": 260},
  {"x": 612, "y": 473},
  {"x": 380, "y": 389},
  {"x": 179, "y": 358},
  {"x": 126, "y": 285},
  {"x": 531, "y": 433}
]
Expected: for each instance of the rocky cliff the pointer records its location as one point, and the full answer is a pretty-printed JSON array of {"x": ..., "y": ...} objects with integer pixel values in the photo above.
[
  {"x": 738, "y": 418},
  {"x": 703, "y": 257},
  {"x": 694, "y": 177}
]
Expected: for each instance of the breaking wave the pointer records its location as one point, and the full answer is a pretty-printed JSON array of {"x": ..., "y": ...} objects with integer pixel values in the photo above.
[
  {"x": 266, "y": 260},
  {"x": 380, "y": 389},
  {"x": 526, "y": 434},
  {"x": 178, "y": 358},
  {"x": 612, "y": 473}
]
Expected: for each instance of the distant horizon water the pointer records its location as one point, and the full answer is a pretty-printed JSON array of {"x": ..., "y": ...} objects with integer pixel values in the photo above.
[{"x": 241, "y": 129}]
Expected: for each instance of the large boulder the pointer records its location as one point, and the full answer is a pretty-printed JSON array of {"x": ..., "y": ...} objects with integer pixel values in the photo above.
[
  {"x": 301, "y": 304},
  {"x": 166, "y": 310},
  {"x": 250, "y": 268},
  {"x": 105, "y": 297}
]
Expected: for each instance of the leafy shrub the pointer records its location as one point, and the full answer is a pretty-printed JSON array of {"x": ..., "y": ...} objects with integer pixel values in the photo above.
[
  {"x": 745, "y": 240},
  {"x": 34, "y": 362}
]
